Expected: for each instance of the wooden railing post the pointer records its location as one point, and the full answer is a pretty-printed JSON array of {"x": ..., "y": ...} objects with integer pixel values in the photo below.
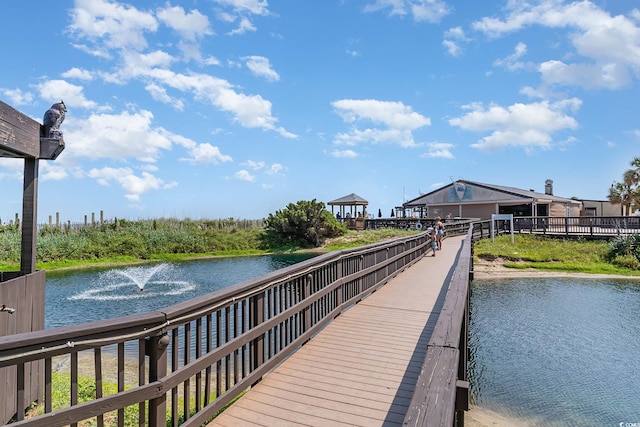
[
  {"x": 256, "y": 310},
  {"x": 29, "y": 217},
  {"x": 306, "y": 314},
  {"x": 157, "y": 351},
  {"x": 339, "y": 290}
]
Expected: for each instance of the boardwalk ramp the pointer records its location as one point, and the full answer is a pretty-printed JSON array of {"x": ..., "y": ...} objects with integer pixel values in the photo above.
[{"x": 362, "y": 369}]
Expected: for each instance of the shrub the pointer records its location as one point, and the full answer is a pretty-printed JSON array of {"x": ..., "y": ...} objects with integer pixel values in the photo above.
[
  {"x": 305, "y": 224},
  {"x": 625, "y": 246}
]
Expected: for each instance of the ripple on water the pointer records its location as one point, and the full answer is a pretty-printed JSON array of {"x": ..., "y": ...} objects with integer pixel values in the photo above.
[{"x": 557, "y": 349}]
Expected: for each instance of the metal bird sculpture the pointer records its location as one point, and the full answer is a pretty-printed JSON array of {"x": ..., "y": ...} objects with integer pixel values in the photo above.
[{"x": 52, "y": 120}]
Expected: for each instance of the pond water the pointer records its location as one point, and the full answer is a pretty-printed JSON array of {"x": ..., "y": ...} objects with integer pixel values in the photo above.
[
  {"x": 76, "y": 297},
  {"x": 557, "y": 352}
]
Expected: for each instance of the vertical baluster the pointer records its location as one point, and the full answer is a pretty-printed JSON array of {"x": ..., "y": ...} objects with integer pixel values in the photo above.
[
  {"x": 20, "y": 394},
  {"x": 175, "y": 358},
  {"x": 198, "y": 355},
  {"x": 236, "y": 332},
  {"x": 218, "y": 344},
  {"x": 257, "y": 317},
  {"x": 186, "y": 398},
  {"x": 120, "y": 380},
  {"x": 48, "y": 370},
  {"x": 74, "y": 381},
  {"x": 141, "y": 380},
  {"x": 207, "y": 375},
  {"x": 97, "y": 367},
  {"x": 227, "y": 358}
]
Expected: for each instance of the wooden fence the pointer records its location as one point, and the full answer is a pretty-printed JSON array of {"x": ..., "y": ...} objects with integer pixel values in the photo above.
[{"x": 192, "y": 359}]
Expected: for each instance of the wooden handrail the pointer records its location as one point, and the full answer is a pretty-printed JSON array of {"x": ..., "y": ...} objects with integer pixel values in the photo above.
[
  {"x": 442, "y": 390},
  {"x": 212, "y": 348}
]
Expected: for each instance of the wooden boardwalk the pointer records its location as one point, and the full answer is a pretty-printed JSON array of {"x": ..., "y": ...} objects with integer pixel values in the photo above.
[{"x": 361, "y": 370}]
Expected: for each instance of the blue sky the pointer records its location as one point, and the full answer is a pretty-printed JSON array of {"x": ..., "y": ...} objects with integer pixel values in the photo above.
[{"x": 235, "y": 108}]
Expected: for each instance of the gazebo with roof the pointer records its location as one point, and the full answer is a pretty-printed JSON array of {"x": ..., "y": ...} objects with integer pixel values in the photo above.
[{"x": 351, "y": 201}]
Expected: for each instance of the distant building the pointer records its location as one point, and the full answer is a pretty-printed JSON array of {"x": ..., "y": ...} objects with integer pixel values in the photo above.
[
  {"x": 468, "y": 199},
  {"x": 600, "y": 208}
]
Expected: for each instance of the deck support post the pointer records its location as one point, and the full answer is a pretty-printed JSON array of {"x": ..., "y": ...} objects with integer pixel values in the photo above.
[
  {"x": 29, "y": 217},
  {"x": 157, "y": 351}
]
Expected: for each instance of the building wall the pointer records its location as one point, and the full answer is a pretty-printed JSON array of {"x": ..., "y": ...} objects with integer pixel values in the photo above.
[
  {"x": 600, "y": 207},
  {"x": 483, "y": 211}
]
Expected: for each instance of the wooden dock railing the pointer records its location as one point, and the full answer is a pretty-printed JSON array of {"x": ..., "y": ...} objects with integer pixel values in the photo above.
[{"x": 185, "y": 363}]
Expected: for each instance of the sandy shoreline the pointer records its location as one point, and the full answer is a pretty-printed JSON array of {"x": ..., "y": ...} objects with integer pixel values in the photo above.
[
  {"x": 496, "y": 270},
  {"x": 483, "y": 417}
]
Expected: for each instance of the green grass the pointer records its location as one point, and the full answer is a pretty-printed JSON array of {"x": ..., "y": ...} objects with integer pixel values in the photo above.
[
  {"x": 365, "y": 237},
  {"x": 151, "y": 241},
  {"x": 550, "y": 254},
  {"x": 61, "y": 398}
]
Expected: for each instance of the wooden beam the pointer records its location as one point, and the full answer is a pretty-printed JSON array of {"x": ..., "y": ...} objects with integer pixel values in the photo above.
[
  {"x": 29, "y": 216},
  {"x": 19, "y": 133}
]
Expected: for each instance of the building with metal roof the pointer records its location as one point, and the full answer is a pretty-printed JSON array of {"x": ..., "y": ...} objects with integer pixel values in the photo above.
[{"x": 468, "y": 199}]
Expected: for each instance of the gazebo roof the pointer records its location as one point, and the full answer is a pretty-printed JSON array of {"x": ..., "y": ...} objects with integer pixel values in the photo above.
[{"x": 349, "y": 200}]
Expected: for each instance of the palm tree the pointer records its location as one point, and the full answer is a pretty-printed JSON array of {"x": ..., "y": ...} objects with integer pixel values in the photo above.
[
  {"x": 619, "y": 195},
  {"x": 627, "y": 193}
]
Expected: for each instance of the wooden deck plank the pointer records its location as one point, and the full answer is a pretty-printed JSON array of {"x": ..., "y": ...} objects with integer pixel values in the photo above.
[
  {"x": 383, "y": 395},
  {"x": 358, "y": 397},
  {"x": 362, "y": 369}
]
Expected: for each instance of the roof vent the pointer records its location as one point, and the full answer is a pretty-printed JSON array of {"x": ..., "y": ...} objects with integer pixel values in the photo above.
[{"x": 548, "y": 187}]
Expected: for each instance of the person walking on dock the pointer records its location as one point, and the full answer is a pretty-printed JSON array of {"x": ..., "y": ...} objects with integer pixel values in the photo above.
[{"x": 434, "y": 238}]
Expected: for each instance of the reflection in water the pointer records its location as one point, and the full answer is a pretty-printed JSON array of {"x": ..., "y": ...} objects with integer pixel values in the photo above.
[
  {"x": 561, "y": 351},
  {"x": 84, "y": 296}
]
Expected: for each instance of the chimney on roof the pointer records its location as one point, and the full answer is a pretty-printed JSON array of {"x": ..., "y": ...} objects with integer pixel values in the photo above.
[{"x": 548, "y": 187}]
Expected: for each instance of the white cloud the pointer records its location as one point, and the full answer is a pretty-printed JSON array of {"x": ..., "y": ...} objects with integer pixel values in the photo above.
[
  {"x": 344, "y": 154},
  {"x": 609, "y": 45},
  {"x": 275, "y": 169},
  {"x": 244, "y": 175},
  {"x": 208, "y": 154},
  {"x": 72, "y": 95},
  {"x": 244, "y": 26},
  {"x": 519, "y": 125},
  {"x": 439, "y": 150},
  {"x": 133, "y": 185},
  {"x": 590, "y": 76},
  {"x": 52, "y": 172},
  {"x": 115, "y": 136},
  {"x": 191, "y": 26},
  {"x": 254, "y": 165},
  {"x": 512, "y": 62},
  {"x": 399, "y": 122},
  {"x": 256, "y": 7},
  {"x": 421, "y": 10},
  {"x": 392, "y": 114},
  {"x": 17, "y": 96},
  {"x": 452, "y": 38},
  {"x": 261, "y": 67},
  {"x": 115, "y": 24},
  {"x": 452, "y": 47},
  {"x": 78, "y": 73},
  {"x": 11, "y": 168}
]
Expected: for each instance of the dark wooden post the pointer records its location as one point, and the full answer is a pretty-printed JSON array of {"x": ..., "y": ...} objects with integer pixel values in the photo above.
[
  {"x": 157, "y": 351},
  {"x": 306, "y": 314},
  {"x": 29, "y": 217},
  {"x": 257, "y": 317}
]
